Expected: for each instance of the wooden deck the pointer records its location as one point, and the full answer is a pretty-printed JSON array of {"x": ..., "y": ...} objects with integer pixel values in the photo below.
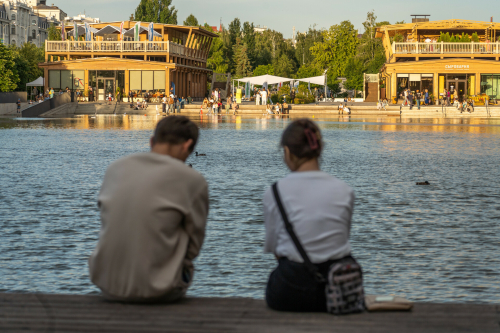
[{"x": 70, "y": 313}]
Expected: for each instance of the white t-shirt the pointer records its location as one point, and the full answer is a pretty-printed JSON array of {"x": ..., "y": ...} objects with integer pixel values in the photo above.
[
  {"x": 320, "y": 207},
  {"x": 264, "y": 95},
  {"x": 164, "y": 100}
]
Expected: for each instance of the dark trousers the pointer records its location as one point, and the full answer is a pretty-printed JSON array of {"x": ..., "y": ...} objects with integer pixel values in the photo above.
[
  {"x": 291, "y": 287},
  {"x": 164, "y": 108}
]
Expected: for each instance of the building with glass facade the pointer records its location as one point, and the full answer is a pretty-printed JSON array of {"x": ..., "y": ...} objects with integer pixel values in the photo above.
[
  {"x": 458, "y": 55},
  {"x": 130, "y": 59}
]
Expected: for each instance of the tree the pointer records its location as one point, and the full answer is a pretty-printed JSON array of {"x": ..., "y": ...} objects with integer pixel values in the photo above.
[
  {"x": 263, "y": 70},
  {"x": 283, "y": 66},
  {"x": 54, "y": 33},
  {"x": 156, "y": 11},
  {"x": 248, "y": 34},
  {"x": 304, "y": 43},
  {"x": 338, "y": 46},
  {"x": 9, "y": 77},
  {"x": 27, "y": 59},
  {"x": 191, "y": 21},
  {"x": 354, "y": 74},
  {"x": 242, "y": 66},
  {"x": 216, "y": 60}
]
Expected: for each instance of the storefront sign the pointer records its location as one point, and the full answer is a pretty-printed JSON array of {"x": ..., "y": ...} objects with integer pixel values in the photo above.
[{"x": 457, "y": 67}]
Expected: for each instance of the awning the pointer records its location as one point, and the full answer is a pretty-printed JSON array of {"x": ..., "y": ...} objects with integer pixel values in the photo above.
[
  {"x": 81, "y": 30},
  {"x": 109, "y": 29},
  {"x": 37, "y": 83},
  {"x": 260, "y": 80},
  {"x": 130, "y": 33},
  {"x": 314, "y": 80}
]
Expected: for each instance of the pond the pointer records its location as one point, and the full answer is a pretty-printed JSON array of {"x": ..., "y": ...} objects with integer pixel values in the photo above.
[{"x": 436, "y": 243}]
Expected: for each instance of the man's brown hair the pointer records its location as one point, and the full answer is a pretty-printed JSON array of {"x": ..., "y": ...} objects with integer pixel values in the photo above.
[{"x": 176, "y": 130}]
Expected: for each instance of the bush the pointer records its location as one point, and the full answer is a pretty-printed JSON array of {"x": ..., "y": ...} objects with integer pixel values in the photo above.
[{"x": 304, "y": 99}]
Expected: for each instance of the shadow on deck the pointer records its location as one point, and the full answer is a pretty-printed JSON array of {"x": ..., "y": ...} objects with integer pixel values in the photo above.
[{"x": 71, "y": 313}]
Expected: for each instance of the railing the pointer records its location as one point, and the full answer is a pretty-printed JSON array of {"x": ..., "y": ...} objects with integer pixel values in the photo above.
[
  {"x": 446, "y": 48},
  {"x": 121, "y": 46}
]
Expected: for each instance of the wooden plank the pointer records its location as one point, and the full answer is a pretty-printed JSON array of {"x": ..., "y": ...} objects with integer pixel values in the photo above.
[{"x": 40, "y": 312}]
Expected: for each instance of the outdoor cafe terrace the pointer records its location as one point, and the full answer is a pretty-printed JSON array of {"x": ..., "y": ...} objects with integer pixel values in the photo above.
[{"x": 114, "y": 47}]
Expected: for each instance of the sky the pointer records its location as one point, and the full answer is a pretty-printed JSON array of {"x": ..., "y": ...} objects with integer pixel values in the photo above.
[{"x": 283, "y": 15}]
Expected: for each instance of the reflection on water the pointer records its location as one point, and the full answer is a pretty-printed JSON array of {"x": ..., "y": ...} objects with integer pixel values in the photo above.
[{"x": 428, "y": 243}]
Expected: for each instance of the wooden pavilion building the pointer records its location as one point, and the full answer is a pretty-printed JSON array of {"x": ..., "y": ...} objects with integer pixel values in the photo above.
[
  {"x": 111, "y": 58},
  {"x": 418, "y": 59}
]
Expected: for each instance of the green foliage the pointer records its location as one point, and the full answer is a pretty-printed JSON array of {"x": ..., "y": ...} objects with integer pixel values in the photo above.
[
  {"x": 338, "y": 46},
  {"x": 283, "y": 66},
  {"x": 304, "y": 43},
  {"x": 27, "y": 59},
  {"x": 354, "y": 74},
  {"x": 453, "y": 39},
  {"x": 263, "y": 70},
  {"x": 54, "y": 33},
  {"x": 9, "y": 78},
  {"x": 475, "y": 37},
  {"x": 191, "y": 20},
  {"x": 156, "y": 11},
  {"x": 240, "y": 58},
  {"x": 307, "y": 71},
  {"x": 216, "y": 60}
]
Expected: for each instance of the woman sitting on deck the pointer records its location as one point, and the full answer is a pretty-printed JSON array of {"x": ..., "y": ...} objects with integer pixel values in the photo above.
[{"x": 319, "y": 208}]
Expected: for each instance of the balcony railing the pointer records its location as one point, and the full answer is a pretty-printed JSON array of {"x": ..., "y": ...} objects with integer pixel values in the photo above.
[
  {"x": 121, "y": 47},
  {"x": 446, "y": 48}
]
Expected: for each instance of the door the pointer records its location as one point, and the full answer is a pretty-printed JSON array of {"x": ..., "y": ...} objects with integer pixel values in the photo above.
[
  {"x": 109, "y": 85},
  {"x": 100, "y": 89},
  {"x": 461, "y": 90}
]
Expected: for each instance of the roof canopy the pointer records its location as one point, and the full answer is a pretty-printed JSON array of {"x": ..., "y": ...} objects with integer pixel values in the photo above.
[
  {"x": 260, "y": 80},
  {"x": 37, "y": 83},
  {"x": 443, "y": 25},
  {"x": 130, "y": 33},
  {"x": 314, "y": 80},
  {"x": 109, "y": 29}
]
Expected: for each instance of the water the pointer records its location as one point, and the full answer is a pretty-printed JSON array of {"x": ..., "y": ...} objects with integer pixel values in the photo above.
[{"x": 436, "y": 243}]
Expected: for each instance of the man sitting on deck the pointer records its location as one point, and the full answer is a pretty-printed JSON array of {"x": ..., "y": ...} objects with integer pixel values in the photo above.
[{"x": 153, "y": 211}]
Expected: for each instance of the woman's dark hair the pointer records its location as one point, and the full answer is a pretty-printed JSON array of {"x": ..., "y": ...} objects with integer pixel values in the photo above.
[
  {"x": 175, "y": 130},
  {"x": 303, "y": 138}
]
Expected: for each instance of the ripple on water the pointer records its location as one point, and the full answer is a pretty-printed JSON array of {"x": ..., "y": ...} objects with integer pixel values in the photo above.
[{"x": 428, "y": 243}]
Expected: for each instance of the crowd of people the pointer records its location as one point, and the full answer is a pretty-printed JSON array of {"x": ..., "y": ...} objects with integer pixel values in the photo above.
[
  {"x": 153, "y": 225},
  {"x": 411, "y": 98},
  {"x": 215, "y": 103}
]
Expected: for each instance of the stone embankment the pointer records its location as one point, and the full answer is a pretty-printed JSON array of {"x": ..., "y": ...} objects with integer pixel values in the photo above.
[{"x": 357, "y": 109}]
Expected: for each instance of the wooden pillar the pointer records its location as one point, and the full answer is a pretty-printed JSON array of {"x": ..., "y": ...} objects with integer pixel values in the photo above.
[
  {"x": 435, "y": 89},
  {"x": 394, "y": 88},
  {"x": 126, "y": 89},
  {"x": 86, "y": 80},
  {"x": 478, "y": 83},
  {"x": 167, "y": 81},
  {"x": 46, "y": 79}
]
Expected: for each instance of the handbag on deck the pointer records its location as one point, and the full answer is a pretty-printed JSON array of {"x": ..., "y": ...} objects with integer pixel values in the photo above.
[{"x": 344, "y": 284}]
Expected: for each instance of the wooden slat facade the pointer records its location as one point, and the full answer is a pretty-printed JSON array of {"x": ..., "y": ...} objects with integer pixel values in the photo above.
[
  {"x": 415, "y": 56},
  {"x": 180, "y": 51},
  {"x": 71, "y": 313}
]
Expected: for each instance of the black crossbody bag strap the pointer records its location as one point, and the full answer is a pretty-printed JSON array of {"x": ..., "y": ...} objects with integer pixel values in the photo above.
[{"x": 289, "y": 228}]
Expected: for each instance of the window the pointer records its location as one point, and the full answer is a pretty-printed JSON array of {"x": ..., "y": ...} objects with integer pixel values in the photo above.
[
  {"x": 147, "y": 80},
  {"x": 33, "y": 22},
  {"x": 490, "y": 85},
  {"x": 13, "y": 17},
  {"x": 33, "y": 34},
  {"x": 13, "y": 42},
  {"x": 13, "y": 30},
  {"x": 55, "y": 79}
]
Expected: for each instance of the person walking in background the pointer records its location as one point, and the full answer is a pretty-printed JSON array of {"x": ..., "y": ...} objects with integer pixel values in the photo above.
[
  {"x": 91, "y": 94},
  {"x": 316, "y": 95},
  {"x": 18, "y": 105},
  {"x": 319, "y": 210},
  {"x": 178, "y": 104},
  {"x": 164, "y": 102},
  {"x": 171, "y": 102},
  {"x": 418, "y": 96},
  {"x": 426, "y": 97},
  {"x": 410, "y": 99},
  {"x": 263, "y": 94},
  {"x": 154, "y": 210},
  {"x": 292, "y": 96},
  {"x": 257, "y": 97},
  {"x": 189, "y": 100},
  {"x": 51, "y": 93}
]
